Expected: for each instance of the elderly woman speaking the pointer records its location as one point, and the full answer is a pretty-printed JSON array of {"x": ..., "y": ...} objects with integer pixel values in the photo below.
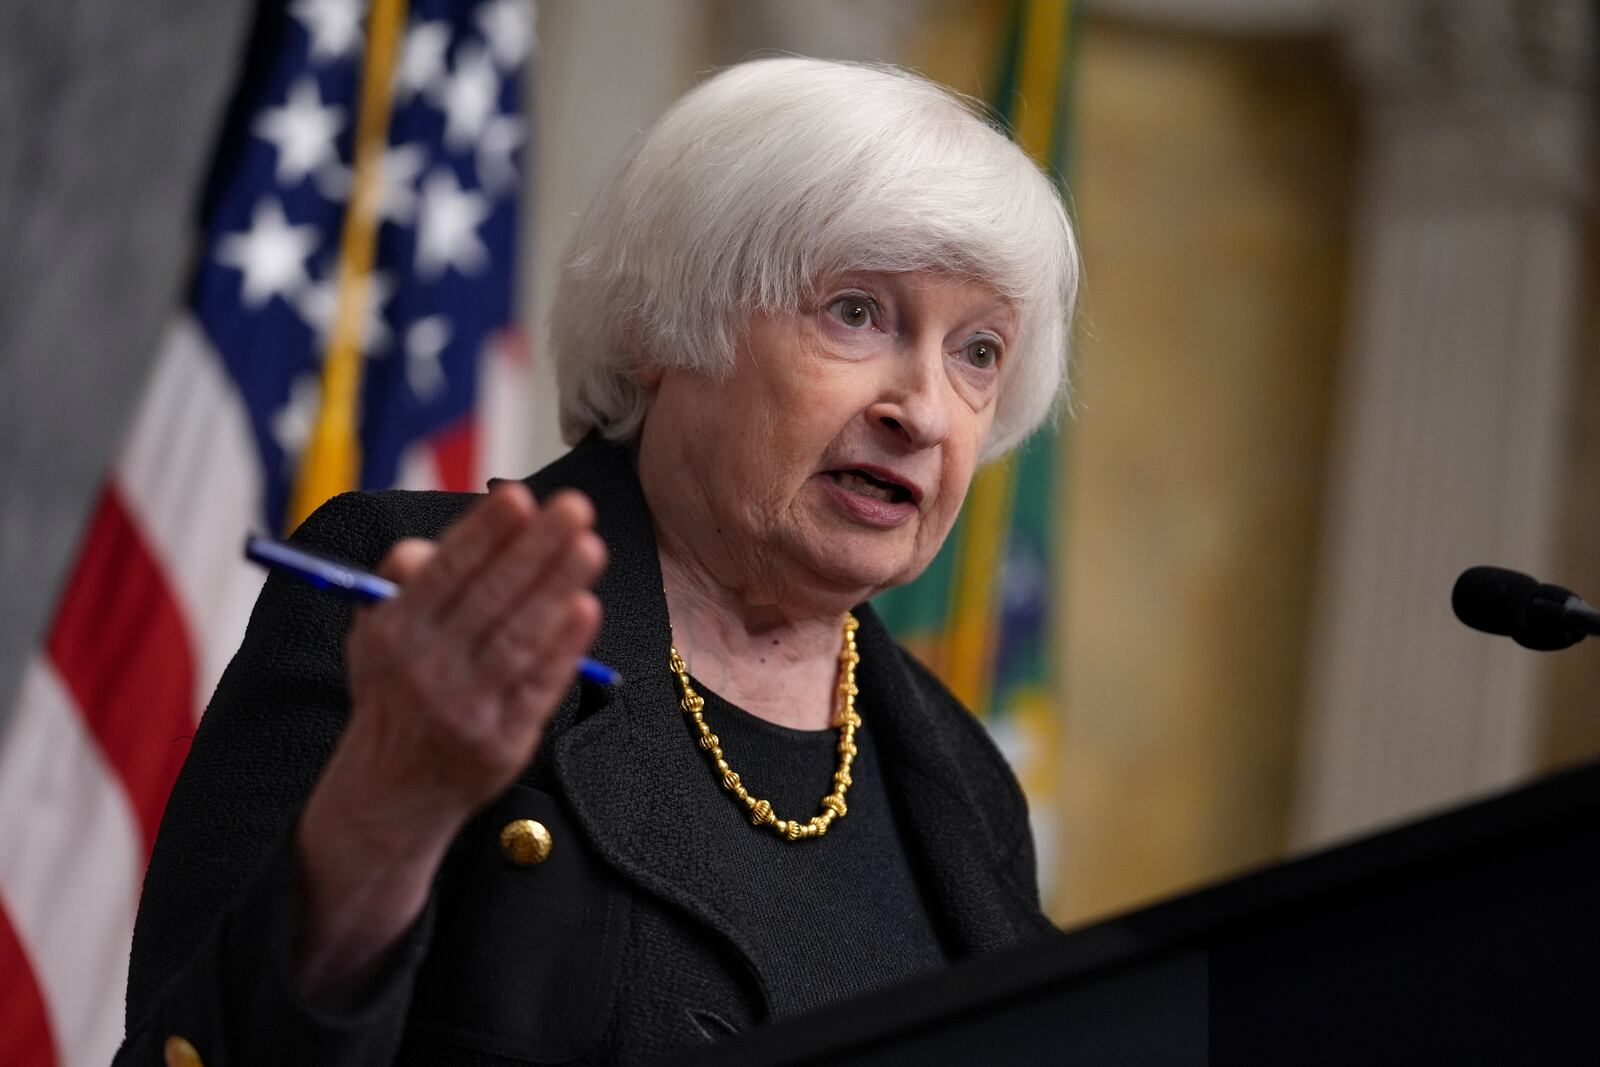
[{"x": 812, "y": 299}]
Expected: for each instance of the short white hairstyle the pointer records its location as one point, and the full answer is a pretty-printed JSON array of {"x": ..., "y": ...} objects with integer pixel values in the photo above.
[{"x": 774, "y": 177}]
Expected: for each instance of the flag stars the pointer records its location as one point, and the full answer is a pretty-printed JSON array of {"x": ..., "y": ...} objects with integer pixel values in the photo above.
[
  {"x": 302, "y": 131},
  {"x": 292, "y": 424},
  {"x": 318, "y": 304},
  {"x": 447, "y": 227},
  {"x": 422, "y": 60},
  {"x": 272, "y": 255},
  {"x": 334, "y": 26},
  {"x": 397, "y": 200},
  {"x": 469, "y": 97},
  {"x": 497, "y": 169},
  {"x": 426, "y": 340},
  {"x": 508, "y": 29}
]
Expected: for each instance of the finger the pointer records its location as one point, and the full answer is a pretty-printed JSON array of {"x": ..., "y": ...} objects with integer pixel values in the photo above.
[
  {"x": 505, "y": 579},
  {"x": 532, "y": 629},
  {"x": 533, "y": 696},
  {"x": 469, "y": 543},
  {"x": 405, "y": 559}
]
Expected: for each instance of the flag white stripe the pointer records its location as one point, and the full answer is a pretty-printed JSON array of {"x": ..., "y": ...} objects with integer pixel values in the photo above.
[
  {"x": 418, "y": 469},
  {"x": 190, "y": 479},
  {"x": 71, "y": 862},
  {"x": 505, "y": 414}
]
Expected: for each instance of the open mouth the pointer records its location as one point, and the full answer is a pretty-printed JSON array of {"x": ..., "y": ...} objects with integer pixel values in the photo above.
[{"x": 868, "y": 485}]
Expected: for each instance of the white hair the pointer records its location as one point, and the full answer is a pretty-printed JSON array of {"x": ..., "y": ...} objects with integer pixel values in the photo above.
[{"x": 770, "y": 179}]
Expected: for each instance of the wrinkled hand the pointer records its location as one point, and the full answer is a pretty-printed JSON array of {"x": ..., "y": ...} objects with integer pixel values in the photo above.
[{"x": 452, "y": 683}]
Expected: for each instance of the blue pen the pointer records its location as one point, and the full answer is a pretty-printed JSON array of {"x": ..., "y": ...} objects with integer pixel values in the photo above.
[{"x": 353, "y": 582}]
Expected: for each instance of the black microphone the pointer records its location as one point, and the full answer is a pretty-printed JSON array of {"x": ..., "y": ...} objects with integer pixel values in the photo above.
[{"x": 1531, "y": 613}]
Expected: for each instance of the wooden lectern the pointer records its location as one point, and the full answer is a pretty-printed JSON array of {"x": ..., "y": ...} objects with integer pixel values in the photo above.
[{"x": 1471, "y": 937}]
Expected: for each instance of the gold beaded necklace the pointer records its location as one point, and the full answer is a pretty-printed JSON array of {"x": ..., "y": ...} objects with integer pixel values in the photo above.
[{"x": 846, "y": 719}]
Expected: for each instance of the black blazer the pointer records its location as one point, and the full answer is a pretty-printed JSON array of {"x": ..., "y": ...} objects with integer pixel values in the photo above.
[{"x": 621, "y": 947}]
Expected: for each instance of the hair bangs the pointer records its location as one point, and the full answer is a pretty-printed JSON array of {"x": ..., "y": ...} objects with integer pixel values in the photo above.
[{"x": 771, "y": 179}]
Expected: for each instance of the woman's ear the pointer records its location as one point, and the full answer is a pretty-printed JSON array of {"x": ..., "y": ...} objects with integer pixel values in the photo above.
[{"x": 644, "y": 370}]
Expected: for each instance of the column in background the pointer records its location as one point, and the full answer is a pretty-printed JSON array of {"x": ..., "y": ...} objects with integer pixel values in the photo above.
[{"x": 1453, "y": 399}]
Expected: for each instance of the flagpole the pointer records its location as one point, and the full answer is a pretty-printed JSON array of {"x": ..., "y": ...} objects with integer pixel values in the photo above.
[{"x": 332, "y": 460}]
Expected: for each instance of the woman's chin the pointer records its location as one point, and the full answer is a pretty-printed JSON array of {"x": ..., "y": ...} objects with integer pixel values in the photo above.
[
  {"x": 864, "y": 565},
  {"x": 854, "y": 554}
]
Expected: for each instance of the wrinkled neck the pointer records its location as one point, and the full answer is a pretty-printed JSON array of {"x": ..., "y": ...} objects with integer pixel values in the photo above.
[{"x": 776, "y": 664}]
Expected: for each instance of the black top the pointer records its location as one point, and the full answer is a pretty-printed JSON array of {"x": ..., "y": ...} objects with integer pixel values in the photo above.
[{"x": 854, "y": 916}]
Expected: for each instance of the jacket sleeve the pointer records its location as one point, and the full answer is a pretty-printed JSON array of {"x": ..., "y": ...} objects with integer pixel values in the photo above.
[{"x": 213, "y": 944}]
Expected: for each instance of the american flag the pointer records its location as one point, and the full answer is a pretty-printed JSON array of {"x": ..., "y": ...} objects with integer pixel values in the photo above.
[{"x": 220, "y": 445}]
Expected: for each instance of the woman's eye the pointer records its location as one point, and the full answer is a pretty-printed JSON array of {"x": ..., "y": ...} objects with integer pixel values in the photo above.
[
  {"x": 854, "y": 311},
  {"x": 983, "y": 354}
]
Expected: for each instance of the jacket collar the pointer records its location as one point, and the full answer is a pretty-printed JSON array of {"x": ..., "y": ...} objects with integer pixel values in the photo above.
[{"x": 625, "y": 766}]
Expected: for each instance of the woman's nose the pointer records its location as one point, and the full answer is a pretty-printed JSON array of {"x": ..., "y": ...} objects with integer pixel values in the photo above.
[{"x": 912, "y": 406}]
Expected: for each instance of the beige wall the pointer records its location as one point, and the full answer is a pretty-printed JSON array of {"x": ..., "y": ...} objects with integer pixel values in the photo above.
[{"x": 1212, "y": 194}]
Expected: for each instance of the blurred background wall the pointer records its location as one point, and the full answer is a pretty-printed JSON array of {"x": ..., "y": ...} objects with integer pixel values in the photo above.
[{"x": 1340, "y": 338}]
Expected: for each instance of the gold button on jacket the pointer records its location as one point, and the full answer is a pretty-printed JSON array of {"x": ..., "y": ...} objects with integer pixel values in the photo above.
[
  {"x": 179, "y": 1053},
  {"x": 525, "y": 842}
]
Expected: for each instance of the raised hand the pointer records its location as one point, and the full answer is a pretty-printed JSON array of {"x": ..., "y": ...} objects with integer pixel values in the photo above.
[{"x": 451, "y": 684}]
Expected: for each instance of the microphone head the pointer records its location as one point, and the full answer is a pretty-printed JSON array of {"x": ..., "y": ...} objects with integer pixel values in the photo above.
[{"x": 1505, "y": 602}]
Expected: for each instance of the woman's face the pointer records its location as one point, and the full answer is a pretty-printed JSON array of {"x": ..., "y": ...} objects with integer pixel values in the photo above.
[{"x": 832, "y": 461}]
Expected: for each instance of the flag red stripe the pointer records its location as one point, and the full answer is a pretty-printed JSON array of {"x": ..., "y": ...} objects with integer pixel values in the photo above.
[
  {"x": 455, "y": 456},
  {"x": 24, "y": 1027},
  {"x": 121, "y": 648}
]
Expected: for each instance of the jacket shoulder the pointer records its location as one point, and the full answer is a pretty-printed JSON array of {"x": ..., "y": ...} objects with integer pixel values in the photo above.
[{"x": 363, "y": 525}]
